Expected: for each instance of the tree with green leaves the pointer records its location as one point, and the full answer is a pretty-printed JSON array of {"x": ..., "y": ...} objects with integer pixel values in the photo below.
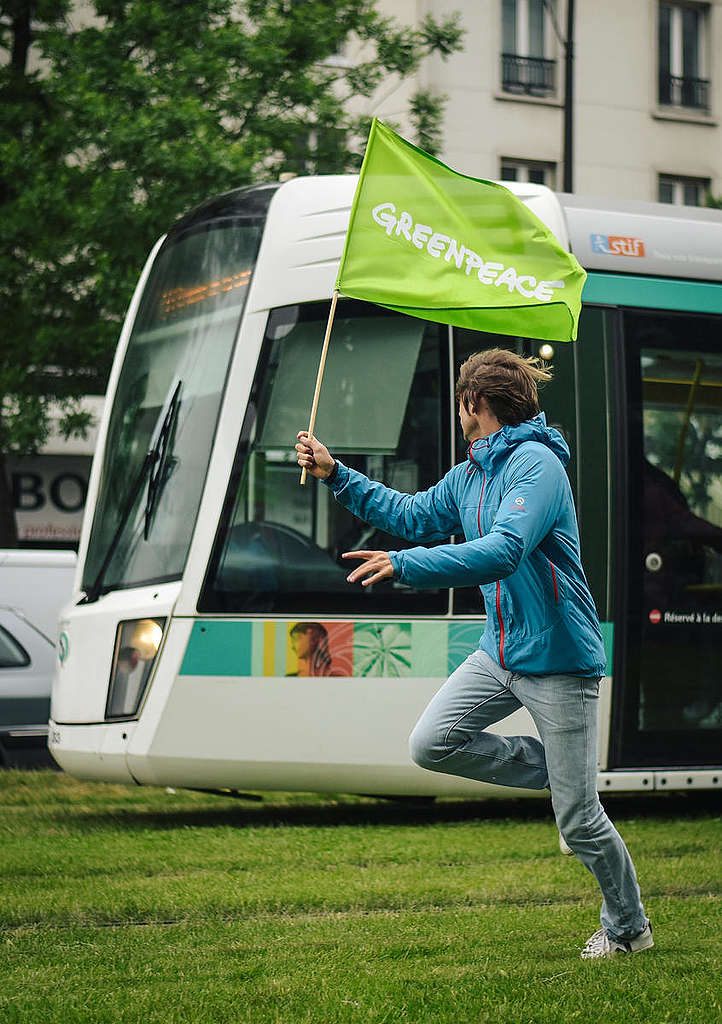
[{"x": 132, "y": 118}]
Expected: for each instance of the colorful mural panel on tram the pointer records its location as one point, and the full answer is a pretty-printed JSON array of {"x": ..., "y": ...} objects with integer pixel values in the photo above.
[{"x": 306, "y": 648}]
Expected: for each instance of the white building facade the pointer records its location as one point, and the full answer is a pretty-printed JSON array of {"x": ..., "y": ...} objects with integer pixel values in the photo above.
[{"x": 647, "y": 94}]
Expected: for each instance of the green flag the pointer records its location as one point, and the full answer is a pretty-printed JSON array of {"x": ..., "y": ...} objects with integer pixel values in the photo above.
[{"x": 430, "y": 242}]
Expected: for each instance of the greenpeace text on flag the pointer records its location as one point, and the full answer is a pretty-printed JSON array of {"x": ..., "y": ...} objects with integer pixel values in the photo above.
[{"x": 489, "y": 272}]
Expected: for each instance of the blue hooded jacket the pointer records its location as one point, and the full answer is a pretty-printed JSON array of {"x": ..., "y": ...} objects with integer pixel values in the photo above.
[{"x": 513, "y": 502}]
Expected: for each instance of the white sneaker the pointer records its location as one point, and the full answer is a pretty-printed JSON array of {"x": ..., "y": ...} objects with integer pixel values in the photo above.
[
  {"x": 600, "y": 944},
  {"x": 564, "y": 847}
]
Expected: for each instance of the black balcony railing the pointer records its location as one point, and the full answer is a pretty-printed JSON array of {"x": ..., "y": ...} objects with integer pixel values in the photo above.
[
  {"x": 676, "y": 91},
  {"x": 531, "y": 76}
]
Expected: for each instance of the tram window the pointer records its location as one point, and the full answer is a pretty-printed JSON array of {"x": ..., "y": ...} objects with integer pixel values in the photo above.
[
  {"x": 384, "y": 410},
  {"x": 680, "y": 561}
]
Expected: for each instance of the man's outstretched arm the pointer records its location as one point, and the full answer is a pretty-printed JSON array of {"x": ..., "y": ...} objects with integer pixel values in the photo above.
[
  {"x": 428, "y": 515},
  {"x": 527, "y": 512}
]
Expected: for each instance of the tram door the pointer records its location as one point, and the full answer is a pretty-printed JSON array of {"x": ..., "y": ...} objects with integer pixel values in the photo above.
[{"x": 671, "y": 694}]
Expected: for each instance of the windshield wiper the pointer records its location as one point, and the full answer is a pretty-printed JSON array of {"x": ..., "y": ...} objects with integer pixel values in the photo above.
[
  {"x": 163, "y": 463},
  {"x": 155, "y": 466}
]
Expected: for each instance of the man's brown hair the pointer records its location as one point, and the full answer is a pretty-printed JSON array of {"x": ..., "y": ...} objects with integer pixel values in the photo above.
[{"x": 506, "y": 381}]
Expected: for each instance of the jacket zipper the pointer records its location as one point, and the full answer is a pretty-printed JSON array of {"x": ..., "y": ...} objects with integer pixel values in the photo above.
[
  {"x": 481, "y": 498},
  {"x": 554, "y": 579},
  {"x": 501, "y": 623},
  {"x": 498, "y": 583}
]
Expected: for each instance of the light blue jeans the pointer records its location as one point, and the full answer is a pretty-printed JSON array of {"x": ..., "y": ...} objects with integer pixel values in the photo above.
[{"x": 450, "y": 737}]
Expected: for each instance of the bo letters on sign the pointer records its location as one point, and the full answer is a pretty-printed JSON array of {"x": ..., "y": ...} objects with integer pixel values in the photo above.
[{"x": 67, "y": 492}]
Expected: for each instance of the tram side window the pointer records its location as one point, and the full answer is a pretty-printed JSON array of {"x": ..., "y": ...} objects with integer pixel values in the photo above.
[{"x": 384, "y": 410}]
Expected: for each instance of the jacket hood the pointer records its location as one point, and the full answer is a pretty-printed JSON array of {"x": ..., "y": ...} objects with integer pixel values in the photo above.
[{"x": 487, "y": 452}]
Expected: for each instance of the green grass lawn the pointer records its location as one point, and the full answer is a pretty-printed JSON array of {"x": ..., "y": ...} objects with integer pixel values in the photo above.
[{"x": 120, "y": 904}]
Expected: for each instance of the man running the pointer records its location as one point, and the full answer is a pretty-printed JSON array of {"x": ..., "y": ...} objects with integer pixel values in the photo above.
[{"x": 541, "y": 649}]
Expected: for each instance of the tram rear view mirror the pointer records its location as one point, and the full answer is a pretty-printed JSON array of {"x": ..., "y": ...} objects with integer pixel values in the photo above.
[{"x": 370, "y": 367}]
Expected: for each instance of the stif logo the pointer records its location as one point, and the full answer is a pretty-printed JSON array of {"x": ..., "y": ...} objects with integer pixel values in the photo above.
[{"x": 617, "y": 245}]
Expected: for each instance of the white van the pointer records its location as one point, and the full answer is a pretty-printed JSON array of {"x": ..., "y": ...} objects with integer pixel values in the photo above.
[{"x": 34, "y": 586}]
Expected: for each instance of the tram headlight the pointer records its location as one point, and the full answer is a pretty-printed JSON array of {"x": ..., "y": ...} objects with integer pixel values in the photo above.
[
  {"x": 145, "y": 638},
  {"x": 136, "y": 646}
]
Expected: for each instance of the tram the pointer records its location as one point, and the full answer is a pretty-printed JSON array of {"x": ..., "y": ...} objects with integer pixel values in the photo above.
[{"x": 212, "y": 641}]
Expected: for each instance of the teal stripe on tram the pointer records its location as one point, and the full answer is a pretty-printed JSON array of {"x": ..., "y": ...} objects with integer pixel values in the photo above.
[
  {"x": 423, "y": 648},
  {"x": 218, "y": 648},
  {"x": 652, "y": 293}
]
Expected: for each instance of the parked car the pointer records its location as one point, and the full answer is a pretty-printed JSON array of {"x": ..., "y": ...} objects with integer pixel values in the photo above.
[{"x": 34, "y": 586}]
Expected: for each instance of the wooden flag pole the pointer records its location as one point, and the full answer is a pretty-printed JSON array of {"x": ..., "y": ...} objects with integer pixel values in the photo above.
[{"x": 319, "y": 378}]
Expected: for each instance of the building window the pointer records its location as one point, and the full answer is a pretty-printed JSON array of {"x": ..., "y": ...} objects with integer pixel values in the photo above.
[
  {"x": 682, "y": 191},
  {"x": 526, "y": 67},
  {"x": 682, "y": 34},
  {"x": 535, "y": 172}
]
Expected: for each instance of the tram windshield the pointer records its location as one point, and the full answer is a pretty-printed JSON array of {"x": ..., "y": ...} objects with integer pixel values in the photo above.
[{"x": 168, "y": 397}]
